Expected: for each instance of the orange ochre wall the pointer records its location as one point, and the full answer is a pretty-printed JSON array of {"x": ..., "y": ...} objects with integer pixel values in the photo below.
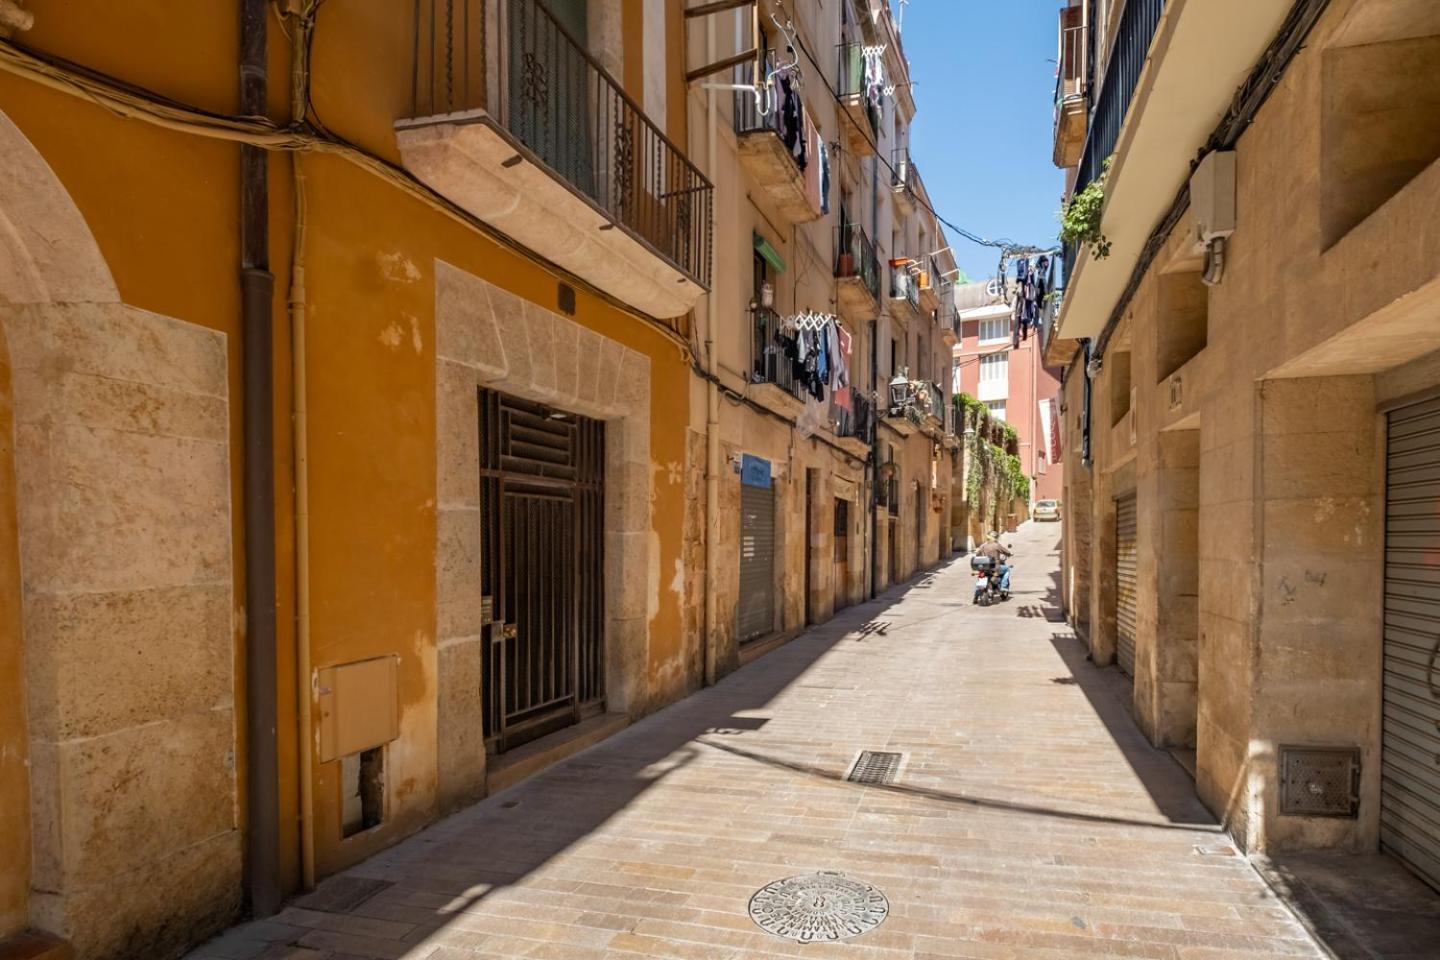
[{"x": 164, "y": 209}]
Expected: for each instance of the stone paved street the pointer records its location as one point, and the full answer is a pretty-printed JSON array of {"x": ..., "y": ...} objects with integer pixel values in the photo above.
[{"x": 1030, "y": 818}]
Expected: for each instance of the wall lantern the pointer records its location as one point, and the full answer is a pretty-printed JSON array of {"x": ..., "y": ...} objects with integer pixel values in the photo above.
[{"x": 899, "y": 393}]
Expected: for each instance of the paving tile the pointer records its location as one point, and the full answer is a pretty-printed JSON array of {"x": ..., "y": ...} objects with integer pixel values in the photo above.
[{"x": 1030, "y": 819}]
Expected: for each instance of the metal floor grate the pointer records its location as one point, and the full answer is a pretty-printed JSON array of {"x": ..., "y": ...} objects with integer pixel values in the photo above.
[{"x": 875, "y": 766}]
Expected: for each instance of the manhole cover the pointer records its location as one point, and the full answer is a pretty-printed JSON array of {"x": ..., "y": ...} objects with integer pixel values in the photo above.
[{"x": 818, "y": 908}]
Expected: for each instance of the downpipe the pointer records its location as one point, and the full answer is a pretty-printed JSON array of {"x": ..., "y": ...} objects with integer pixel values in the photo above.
[
  {"x": 257, "y": 291},
  {"x": 712, "y": 412},
  {"x": 301, "y": 25}
]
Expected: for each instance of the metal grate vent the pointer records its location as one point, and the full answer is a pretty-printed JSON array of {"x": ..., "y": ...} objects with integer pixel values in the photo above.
[
  {"x": 1320, "y": 781},
  {"x": 875, "y": 766}
]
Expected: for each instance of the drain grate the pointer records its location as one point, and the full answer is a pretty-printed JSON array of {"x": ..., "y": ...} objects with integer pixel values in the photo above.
[{"x": 875, "y": 766}]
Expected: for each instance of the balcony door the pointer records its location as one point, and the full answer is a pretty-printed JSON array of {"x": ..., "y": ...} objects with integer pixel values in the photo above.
[{"x": 550, "y": 90}]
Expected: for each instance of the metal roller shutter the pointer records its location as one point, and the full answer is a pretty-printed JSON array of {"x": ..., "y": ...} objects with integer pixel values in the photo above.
[
  {"x": 1410, "y": 745},
  {"x": 1125, "y": 578},
  {"x": 757, "y": 561}
]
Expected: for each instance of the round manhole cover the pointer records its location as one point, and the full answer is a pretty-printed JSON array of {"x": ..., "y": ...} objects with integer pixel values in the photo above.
[{"x": 818, "y": 908}]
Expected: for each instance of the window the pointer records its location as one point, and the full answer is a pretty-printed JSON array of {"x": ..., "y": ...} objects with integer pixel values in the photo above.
[
  {"x": 955, "y": 377},
  {"x": 995, "y": 367},
  {"x": 996, "y": 408},
  {"x": 995, "y": 330}
]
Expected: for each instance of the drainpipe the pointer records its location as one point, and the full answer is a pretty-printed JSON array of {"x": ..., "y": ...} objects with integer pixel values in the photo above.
[
  {"x": 874, "y": 461},
  {"x": 712, "y": 410},
  {"x": 301, "y": 25},
  {"x": 257, "y": 289}
]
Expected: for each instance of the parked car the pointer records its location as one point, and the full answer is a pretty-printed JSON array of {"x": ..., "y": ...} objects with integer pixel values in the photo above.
[{"x": 1046, "y": 510}]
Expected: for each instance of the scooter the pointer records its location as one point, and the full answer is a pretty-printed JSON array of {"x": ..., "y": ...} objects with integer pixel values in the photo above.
[{"x": 987, "y": 581}]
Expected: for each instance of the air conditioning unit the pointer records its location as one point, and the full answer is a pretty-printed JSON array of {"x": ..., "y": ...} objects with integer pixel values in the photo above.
[{"x": 1212, "y": 198}]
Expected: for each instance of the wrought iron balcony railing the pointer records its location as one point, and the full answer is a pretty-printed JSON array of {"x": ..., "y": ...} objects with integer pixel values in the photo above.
[
  {"x": 904, "y": 285},
  {"x": 902, "y": 172},
  {"x": 853, "y": 85},
  {"x": 855, "y": 257},
  {"x": 858, "y": 421},
  {"x": 1138, "y": 22},
  {"x": 769, "y": 363},
  {"x": 545, "y": 89}
]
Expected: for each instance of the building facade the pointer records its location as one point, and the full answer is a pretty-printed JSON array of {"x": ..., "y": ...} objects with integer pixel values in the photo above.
[
  {"x": 349, "y": 432},
  {"x": 823, "y": 233},
  {"x": 383, "y": 399},
  {"x": 1008, "y": 374},
  {"x": 1249, "y": 402}
]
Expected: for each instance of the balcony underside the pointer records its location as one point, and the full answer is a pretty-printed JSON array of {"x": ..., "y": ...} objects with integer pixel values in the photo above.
[
  {"x": 1070, "y": 125},
  {"x": 472, "y": 161},
  {"x": 858, "y": 133},
  {"x": 768, "y": 162},
  {"x": 855, "y": 300}
]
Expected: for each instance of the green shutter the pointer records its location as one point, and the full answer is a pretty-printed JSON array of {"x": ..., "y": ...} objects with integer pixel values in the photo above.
[{"x": 771, "y": 255}]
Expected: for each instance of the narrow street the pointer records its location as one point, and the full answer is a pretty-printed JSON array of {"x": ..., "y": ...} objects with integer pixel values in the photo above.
[{"x": 1029, "y": 818}]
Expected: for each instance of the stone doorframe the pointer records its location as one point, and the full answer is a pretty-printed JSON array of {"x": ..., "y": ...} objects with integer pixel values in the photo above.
[{"x": 486, "y": 336}]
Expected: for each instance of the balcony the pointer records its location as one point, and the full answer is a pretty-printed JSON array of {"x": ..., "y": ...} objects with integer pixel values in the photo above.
[
  {"x": 927, "y": 280},
  {"x": 861, "y": 98},
  {"x": 903, "y": 181},
  {"x": 1138, "y": 22},
  {"x": 772, "y": 375},
  {"x": 858, "y": 272},
  {"x": 948, "y": 317},
  {"x": 769, "y": 161},
  {"x": 904, "y": 289},
  {"x": 1072, "y": 104},
  {"x": 1153, "y": 111},
  {"x": 854, "y": 427},
  {"x": 536, "y": 139}
]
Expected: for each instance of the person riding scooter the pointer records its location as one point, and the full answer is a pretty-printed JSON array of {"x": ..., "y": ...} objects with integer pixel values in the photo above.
[{"x": 998, "y": 553}]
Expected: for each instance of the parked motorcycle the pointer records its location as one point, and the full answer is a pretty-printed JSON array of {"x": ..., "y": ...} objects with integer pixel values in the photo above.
[{"x": 987, "y": 581}]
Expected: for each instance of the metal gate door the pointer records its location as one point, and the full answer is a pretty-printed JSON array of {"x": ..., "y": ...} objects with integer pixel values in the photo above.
[
  {"x": 542, "y": 568},
  {"x": 1410, "y": 741},
  {"x": 757, "y": 561},
  {"x": 842, "y": 554},
  {"x": 1125, "y": 579}
]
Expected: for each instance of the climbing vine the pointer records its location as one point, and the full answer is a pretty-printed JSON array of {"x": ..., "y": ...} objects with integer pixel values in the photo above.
[
  {"x": 1080, "y": 220},
  {"x": 994, "y": 476}
]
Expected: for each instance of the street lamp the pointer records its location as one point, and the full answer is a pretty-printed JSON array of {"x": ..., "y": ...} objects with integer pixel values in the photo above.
[{"x": 899, "y": 393}]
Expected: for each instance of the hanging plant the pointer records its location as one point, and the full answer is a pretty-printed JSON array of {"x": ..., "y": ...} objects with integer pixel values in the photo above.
[{"x": 1080, "y": 220}]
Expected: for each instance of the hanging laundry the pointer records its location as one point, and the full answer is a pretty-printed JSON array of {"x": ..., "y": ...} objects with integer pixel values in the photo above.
[
  {"x": 824, "y": 152},
  {"x": 841, "y": 395}
]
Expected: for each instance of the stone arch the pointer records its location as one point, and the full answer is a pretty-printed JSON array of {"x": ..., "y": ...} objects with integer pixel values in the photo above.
[{"x": 47, "y": 252}]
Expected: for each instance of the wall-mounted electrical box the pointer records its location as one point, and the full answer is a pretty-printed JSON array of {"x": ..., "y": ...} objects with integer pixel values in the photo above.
[
  {"x": 359, "y": 706},
  {"x": 1212, "y": 198}
]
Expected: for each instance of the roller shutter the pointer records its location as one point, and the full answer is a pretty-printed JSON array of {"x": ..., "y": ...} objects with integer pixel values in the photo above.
[
  {"x": 1410, "y": 745},
  {"x": 757, "y": 561},
  {"x": 1125, "y": 580}
]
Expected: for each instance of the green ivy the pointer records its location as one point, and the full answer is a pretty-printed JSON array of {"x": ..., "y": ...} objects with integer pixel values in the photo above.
[
  {"x": 1080, "y": 221},
  {"x": 996, "y": 477}
]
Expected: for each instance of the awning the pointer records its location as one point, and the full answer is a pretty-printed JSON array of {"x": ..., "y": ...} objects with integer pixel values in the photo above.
[{"x": 771, "y": 255}]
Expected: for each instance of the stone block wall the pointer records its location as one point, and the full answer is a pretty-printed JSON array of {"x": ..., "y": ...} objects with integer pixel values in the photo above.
[{"x": 122, "y": 460}]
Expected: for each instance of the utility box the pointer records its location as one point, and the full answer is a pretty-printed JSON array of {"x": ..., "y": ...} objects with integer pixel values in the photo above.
[
  {"x": 1212, "y": 198},
  {"x": 359, "y": 706}
]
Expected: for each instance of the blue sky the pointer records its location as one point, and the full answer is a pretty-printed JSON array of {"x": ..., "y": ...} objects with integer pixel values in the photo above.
[{"x": 985, "y": 77}]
